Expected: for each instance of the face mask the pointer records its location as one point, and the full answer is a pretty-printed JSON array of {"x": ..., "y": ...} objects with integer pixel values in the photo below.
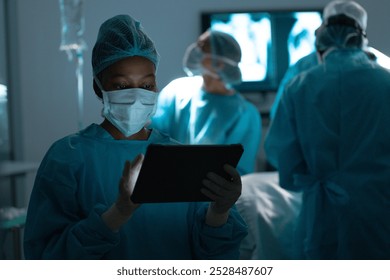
[{"x": 129, "y": 110}]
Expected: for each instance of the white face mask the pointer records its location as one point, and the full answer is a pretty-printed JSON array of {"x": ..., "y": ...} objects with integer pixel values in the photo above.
[{"x": 129, "y": 110}]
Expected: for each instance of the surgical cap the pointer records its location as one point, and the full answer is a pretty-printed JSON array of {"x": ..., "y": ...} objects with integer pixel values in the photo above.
[
  {"x": 224, "y": 45},
  {"x": 121, "y": 37},
  {"x": 348, "y": 8},
  {"x": 340, "y": 32}
]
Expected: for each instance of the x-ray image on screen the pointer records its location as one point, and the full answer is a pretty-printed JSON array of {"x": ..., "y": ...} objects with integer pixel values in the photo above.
[
  {"x": 253, "y": 34},
  {"x": 301, "y": 40},
  {"x": 270, "y": 41}
]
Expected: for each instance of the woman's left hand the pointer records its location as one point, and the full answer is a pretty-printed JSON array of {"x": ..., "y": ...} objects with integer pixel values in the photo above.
[{"x": 223, "y": 192}]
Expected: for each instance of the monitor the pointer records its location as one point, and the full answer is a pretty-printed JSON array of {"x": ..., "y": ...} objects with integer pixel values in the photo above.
[{"x": 270, "y": 41}]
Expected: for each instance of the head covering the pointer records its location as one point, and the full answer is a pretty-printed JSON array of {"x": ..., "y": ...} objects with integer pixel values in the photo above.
[
  {"x": 120, "y": 37},
  {"x": 344, "y": 25},
  {"x": 340, "y": 32},
  {"x": 223, "y": 49},
  {"x": 224, "y": 45},
  {"x": 348, "y": 8}
]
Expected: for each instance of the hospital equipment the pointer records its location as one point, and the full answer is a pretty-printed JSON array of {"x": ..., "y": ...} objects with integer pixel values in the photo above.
[
  {"x": 72, "y": 22},
  {"x": 270, "y": 41}
]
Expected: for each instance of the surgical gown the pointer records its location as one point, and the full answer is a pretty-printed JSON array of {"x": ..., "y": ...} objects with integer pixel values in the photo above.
[
  {"x": 192, "y": 116},
  {"x": 305, "y": 63},
  {"x": 330, "y": 138},
  {"x": 78, "y": 180}
]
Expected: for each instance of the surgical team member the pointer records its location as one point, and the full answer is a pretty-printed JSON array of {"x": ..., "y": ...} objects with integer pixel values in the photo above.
[
  {"x": 330, "y": 139},
  {"x": 205, "y": 108},
  {"x": 77, "y": 210},
  {"x": 305, "y": 63}
]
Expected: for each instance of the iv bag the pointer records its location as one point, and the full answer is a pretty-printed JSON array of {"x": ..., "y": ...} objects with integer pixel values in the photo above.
[{"x": 72, "y": 27}]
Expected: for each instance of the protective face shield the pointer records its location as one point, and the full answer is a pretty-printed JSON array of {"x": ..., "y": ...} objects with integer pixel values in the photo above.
[
  {"x": 129, "y": 110},
  {"x": 192, "y": 62},
  {"x": 221, "y": 62},
  {"x": 222, "y": 67}
]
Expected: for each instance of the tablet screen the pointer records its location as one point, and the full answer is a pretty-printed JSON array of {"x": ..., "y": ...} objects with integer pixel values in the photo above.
[{"x": 174, "y": 173}]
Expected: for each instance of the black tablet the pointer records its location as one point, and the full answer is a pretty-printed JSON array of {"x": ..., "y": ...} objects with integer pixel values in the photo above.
[{"x": 174, "y": 173}]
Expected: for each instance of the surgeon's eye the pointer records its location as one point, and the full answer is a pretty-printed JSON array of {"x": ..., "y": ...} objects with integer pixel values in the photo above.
[
  {"x": 151, "y": 87},
  {"x": 120, "y": 86}
]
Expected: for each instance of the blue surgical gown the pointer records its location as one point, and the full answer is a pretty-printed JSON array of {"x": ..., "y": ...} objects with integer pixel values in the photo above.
[
  {"x": 192, "y": 116},
  {"x": 78, "y": 180},
  {"x": 303, "y": 64},
  {"x": 330, "y": 138}
]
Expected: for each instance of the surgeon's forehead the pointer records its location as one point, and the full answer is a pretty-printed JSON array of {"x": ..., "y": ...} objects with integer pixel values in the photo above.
[{"x": 137, "y": 67}]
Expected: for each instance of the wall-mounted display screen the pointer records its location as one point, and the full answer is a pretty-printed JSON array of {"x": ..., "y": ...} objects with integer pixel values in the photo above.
[{"x": 270, "y": 41}]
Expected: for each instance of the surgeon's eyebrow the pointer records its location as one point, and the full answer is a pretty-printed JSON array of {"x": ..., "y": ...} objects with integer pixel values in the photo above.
[{"x": 128, "y": 77}]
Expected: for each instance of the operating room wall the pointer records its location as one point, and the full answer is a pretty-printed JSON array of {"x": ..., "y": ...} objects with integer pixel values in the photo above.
[{"x": 43, "y": 83}]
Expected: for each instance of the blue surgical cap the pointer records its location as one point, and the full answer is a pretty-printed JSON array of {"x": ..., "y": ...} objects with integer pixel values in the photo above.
[
  {"x": 224, "y": 45},
  {"x": 120, "y": 37},
  {"x": 340, "y": 31}
]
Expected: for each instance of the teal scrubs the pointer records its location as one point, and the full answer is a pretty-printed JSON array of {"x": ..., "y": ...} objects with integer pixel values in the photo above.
[
  {"x": 303, "y": 64},
  {"x": 330, "y": 139},
  {"x": 192, "y": 116},
  {"x": 78, "y": 180}
]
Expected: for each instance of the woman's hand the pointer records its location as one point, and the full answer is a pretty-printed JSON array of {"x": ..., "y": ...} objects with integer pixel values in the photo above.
[
  {"x": 126, "y": 186},
  {"x": 123, "y": 208},
  {"x": 224, "y": 194}
]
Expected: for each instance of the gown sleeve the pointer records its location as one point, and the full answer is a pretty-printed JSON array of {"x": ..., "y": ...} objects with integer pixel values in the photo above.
[
  {"x": 282, "y": 146},
  {"x": 305, "y": 63},
  {"x": 165, "y": 111},
  {"x": 247, "y": 131},
  {"x": 218, "y": 243},
  {"x": 55, "y": 226}
]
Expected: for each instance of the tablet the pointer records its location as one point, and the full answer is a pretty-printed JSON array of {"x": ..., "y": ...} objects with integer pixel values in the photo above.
[{"x": 174, "y": 173}]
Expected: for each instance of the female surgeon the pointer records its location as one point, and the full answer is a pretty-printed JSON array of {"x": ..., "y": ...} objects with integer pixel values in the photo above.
[
  {"x": 330, "y": 139},
  {"x": 205, "y": 108},
  {"x": 76, "y": 210}
]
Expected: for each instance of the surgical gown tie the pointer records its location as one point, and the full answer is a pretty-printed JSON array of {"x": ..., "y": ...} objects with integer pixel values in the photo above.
[{"x": 316, "y": 233}]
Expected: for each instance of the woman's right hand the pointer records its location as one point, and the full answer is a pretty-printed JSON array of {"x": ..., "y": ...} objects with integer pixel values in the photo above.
[
  {"x": 123, "y": 208},
  {"x": 126, "y": 186}
]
